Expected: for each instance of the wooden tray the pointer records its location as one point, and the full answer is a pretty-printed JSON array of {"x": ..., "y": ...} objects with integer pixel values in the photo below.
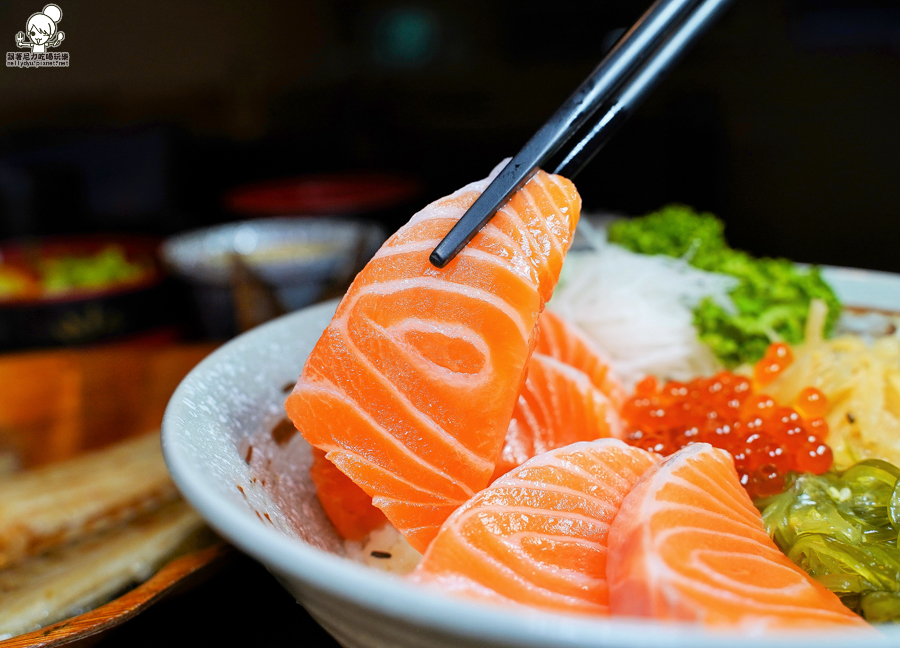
[
  {"x": 55, "y": 405},
  {"x": 86, "y": 629}
]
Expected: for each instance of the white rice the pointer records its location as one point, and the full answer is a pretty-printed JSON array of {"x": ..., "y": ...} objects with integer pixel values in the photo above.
[{"x": 385, "y": 549}]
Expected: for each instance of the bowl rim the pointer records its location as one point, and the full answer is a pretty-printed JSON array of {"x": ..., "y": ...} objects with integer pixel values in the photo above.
[
  {"x": 174, "y": 249},
  {"x": 264, "y": 222},
  {"x": 417, "y": 604}
]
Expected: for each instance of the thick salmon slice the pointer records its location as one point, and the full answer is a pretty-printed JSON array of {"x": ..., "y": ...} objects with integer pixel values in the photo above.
[
  {"x": 689, "y": 545},
  {"x": 562, "y": 340},
  {"x": 346, "y": 504},
  {"x": 538, "y": 535},
  {"x": 411, "y": 388},
  {"x": 558, "y": 406}
]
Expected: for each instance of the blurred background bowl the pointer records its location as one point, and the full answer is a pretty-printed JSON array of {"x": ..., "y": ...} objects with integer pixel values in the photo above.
[
  {"x": 301, "y": 259},
  {"x": 114, "y": 306}
]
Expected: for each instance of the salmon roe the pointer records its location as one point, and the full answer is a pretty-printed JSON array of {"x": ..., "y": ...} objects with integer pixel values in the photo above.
[
  {"x": 765, "y": 439},
  {"x": 778, "y": 357}
]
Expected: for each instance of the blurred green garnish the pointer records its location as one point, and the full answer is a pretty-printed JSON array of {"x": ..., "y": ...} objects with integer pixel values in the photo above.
[
  {"x": 13, "y": 283},
  {"x": 773, "y": 296},
  {"x": 843, "y": 530},
  {"x": 103, "y": 269}
]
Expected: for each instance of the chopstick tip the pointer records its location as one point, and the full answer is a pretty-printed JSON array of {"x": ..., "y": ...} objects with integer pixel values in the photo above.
[{"x": 437, "y": 259}]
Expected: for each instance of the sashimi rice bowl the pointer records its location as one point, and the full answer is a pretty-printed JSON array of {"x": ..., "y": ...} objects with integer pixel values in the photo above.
[{"x": 631, "y": 436}]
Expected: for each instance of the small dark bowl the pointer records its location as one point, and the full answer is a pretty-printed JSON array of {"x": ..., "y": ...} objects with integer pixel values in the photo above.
[{"x": 82, "y": 316}]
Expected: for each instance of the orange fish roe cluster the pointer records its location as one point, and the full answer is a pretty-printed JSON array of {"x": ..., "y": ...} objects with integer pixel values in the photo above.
[{"x": 766, "y": 440}]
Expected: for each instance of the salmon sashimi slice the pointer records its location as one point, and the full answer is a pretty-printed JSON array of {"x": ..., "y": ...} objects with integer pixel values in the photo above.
[
  {"x": 558, "y": 406},
  {"x": 689, "y": 545},
  {"x": 562, "y": 340},
  {"x": 538, "y": 535},
  {"x": 411, "y": 388},
  {"x": 346, "y": 504}
]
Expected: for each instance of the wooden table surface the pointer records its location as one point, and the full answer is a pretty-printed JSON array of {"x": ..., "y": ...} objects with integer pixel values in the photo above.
[{"x": 57, "y": 404}]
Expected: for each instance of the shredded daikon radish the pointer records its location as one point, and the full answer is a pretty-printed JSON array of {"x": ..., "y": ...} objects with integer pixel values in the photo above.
[{"x": 638, "y": 309}]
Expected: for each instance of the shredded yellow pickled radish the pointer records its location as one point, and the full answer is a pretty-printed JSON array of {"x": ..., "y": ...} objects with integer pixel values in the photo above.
[{"x": 862, "y": 383}]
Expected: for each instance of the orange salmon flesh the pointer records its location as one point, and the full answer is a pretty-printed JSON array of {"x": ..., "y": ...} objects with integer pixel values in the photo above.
[
  {"x": 411, "y": 388},
  {"x": 538, "y": 535},
  {"x": 688, "y": 545}
]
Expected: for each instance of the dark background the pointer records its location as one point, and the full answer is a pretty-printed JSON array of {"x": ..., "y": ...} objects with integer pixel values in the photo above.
[{"x": 785, "y": 121}]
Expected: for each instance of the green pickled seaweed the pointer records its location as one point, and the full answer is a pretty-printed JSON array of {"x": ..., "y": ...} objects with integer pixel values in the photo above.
[
  {"x": 843, "y": 529},
  {"x": 881, "y": 607}
]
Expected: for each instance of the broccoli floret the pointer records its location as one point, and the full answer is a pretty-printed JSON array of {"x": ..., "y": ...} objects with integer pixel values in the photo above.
[
  {"x": 675, "y": 230},
  {"x": 772, "y": 298}
]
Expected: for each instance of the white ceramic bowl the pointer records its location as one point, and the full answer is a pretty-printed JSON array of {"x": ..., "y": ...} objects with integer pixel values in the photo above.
[
  {"x": 238, "y": 391},
  {"x": 298, "y": 256}
]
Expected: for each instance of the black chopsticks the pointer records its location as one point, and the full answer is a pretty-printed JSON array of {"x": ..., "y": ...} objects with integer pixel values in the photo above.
[{"x": 625, "y": 76}]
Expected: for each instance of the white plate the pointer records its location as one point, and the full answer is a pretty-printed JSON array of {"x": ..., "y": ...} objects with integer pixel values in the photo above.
[{"x": 236, "y": 393}]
